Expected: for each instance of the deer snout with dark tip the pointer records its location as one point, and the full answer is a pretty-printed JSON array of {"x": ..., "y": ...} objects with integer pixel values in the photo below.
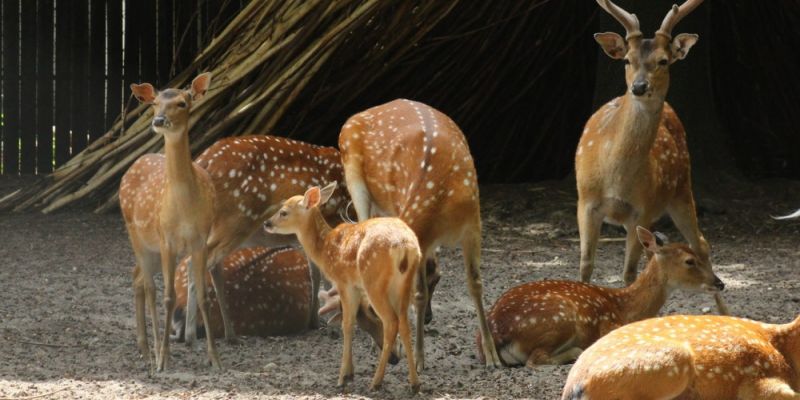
[
  {"x": 159, "y": 121},
  {"x": 639, "y": 88},
  {"x": 268, "y": 225}
]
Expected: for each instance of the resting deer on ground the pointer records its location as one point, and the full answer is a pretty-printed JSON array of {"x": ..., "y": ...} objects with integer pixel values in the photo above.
[
  {"x": 372, "y": 263},
  {"x": 251, "y": 176},
  {"x": 168, "y": 203},
  {"x": 269, "y": 290},
  {"x": 632, "y": 162},
  {"x": 407, "y": 159},
  {"x": 690, "y": 357},
  {"x": 552, "y": 322}
]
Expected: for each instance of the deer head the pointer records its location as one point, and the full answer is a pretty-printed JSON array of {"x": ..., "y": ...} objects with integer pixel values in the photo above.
[
  {"x": 171, "y": 106},
  {"x": 647, "y": 61},
  {"x": 683, "y": 267},
  {"x": 293, "y": 214}
]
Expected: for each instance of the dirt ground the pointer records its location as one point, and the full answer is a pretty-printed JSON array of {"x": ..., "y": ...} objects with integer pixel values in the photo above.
[{"x": 66, "y": 304}]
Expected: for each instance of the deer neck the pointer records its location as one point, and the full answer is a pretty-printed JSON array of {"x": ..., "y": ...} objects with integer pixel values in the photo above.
[
  {"x": 645, "y": 296},
  {"x": 312, "y": 237},
  {"x": 637, "y": 125},
  {"x": 180, "y": 173}
]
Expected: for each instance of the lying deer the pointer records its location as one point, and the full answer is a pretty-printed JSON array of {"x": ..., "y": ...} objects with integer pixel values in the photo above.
[
  {"x": 251, "y": 176},
  {"x": 690, "y": 357},
  {"x": 551, "y": 322},
  {"x": 373, "y": 262},
  {"x": 407, "y": 159},
  {"x": 632, "y": 162},
  {"x": 168, "y": 204},
  {"x": 269, "y": 288}
]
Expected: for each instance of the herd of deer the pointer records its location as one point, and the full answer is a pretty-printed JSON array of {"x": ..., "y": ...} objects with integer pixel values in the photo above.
[{"x": 411, "y": 179}]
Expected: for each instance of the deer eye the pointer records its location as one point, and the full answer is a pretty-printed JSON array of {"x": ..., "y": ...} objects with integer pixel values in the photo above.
[
  {"x": 283, "y": 213},
  {"x": 663, "y": 62},
  {"x": 690, "y": 262},
  {"x": 182, "y": 104}
]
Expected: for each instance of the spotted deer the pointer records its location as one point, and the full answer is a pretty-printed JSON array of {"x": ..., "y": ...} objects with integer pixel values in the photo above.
[
  {"x": 371, "y": 263},
  {"x": 690, "y": 357},
  {"x": 269, "y": 290},
  {"x": 168, "y": 204},
  {"x": 552, "y": 322},
  {"x": 407, "y": 159},
  {"x": 252, "y": 175},
  {"x": 632, "y": 162}
]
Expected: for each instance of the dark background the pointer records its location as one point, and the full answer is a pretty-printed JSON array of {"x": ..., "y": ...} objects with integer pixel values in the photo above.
[{"x": 520, "y": 82}]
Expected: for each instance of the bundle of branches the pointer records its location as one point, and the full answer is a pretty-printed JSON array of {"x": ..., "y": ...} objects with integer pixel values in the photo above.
[{"x": 300, "y": 67}]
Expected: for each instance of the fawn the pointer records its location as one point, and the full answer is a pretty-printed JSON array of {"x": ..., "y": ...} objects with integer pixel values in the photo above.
[
  {"x": 551, "y": 322},
  {"x": 372, "y": 263}
]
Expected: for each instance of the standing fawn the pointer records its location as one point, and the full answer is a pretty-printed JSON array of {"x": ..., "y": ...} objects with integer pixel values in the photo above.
[
  {"x": 690, "y": 357},
  {"x": 251, "y": 176},
  {"x": 269, "y": 290},
  {"x": 168, "y": 205},
  {"x": 632, "y": 162},
  {"x": 409, "y": 160},
  {"x": 552, "y": 322},
  {"x": 371, "y": 263}
]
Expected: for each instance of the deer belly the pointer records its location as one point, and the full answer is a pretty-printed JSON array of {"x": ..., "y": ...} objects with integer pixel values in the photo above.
[{"x": 617, "y": 211}]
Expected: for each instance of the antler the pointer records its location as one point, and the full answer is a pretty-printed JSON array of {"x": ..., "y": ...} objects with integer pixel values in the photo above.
[
  {"x": 675, "y": 15},
  {"x": 628, "y": 20}
]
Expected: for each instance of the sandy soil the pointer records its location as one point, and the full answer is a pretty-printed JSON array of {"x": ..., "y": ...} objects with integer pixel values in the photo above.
[{"x": 66, "y": 304}]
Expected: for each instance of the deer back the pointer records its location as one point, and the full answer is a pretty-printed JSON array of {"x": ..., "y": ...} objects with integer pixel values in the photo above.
[{"x": 416, "y": 163}]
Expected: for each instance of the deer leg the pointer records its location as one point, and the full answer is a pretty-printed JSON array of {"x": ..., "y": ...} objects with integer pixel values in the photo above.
[
  {"x": 421, "y": 296},
  {"x": 218, "y": 281},
  {"x": 141, "y": 322},
  {"x": 405, "y": 337},
  {"x": 472, "y": 254},
  {"x": 633, "y": 251},
  {"x": 589, "y": 223},
  {"x": 168, "y": 270},
  {"x": 350, "y": 303},
  {"x": 389, "y": 321},
  {"x": 190, "y": 327},
  {"x": 199, "y": 272},
  {"x": 682, "y": 213},
  {"x": 313, "y": 271}
]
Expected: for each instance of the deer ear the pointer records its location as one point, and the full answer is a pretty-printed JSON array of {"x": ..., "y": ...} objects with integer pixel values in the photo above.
[
  {"x": 312, "y": 197},
  {"x": 648, "y": 240},
  {"x": 682, "y": 44},
  {"x": 612, "y": 44},
  {"x": 200, "y": 86},
  {"x": 145, "y": 92},
  {"x": 327, "y": 192}
]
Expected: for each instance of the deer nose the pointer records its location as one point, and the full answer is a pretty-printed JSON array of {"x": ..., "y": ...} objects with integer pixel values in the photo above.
[
  {"x": 159, "y": 121},
  {"x": 639, "y": 88},
  {"x": 268, "y": 224},
  {"x": 718, "y": 283}
]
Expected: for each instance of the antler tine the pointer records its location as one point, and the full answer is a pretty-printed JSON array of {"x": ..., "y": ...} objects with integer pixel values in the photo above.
[
  {"x": 628, "y": 20},
  {"x": 675, "y": 15}
]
